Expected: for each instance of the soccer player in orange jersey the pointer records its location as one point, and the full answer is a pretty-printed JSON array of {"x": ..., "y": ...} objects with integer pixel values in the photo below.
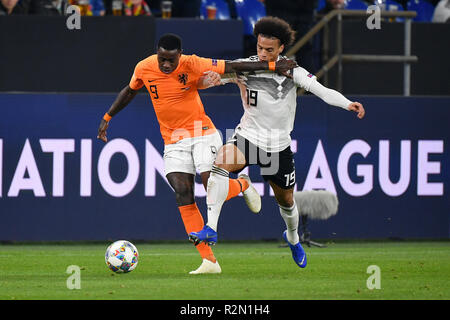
[{"x": 191, "y": 140}]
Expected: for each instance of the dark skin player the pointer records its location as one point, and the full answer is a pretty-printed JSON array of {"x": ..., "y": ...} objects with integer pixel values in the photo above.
[{"x": 183, "y": 183}]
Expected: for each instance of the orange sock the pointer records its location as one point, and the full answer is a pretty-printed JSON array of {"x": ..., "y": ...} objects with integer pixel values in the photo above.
[
  {"x": 236, "y": 186},
  {"x": 193, "y": 221}
]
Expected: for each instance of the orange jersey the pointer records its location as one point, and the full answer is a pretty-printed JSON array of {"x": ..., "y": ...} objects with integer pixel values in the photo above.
[{"x": 175, "y": 96}]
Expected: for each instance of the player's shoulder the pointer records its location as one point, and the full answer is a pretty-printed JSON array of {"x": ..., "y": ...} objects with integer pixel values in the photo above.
[
  {"x": 187, "y": 57},
  {"x": 148, "y": 63},
  {"x": 303, "y": 77},
  {"x": 193, "y": 58},
  {"x": 195, "y": 63},
  {"x": 186, "y": 62},
  {"x": 150, "y": 59},
  {"x": 302, "y": 72}
]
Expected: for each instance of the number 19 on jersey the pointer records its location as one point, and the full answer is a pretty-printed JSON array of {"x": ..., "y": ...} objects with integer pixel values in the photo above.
[{"x": 252, "y": 97}]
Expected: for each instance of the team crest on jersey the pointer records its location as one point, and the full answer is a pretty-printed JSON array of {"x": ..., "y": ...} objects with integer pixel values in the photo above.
[{"x": 183, "y": 78}]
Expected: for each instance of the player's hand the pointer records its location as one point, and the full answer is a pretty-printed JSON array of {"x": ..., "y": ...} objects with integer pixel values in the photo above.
[
  {"x": 102, "y": 130},
  {"x": 283, "y": 66},
  {"x": 211, "y": 79},
  {"x": 357, "y": 107}
]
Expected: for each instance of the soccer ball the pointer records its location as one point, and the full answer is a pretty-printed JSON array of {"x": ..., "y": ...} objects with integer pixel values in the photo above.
[{"x": 122, "y": 256}]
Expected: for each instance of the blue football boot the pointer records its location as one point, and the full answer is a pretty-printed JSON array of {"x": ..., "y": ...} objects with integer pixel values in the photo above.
[
  {"x": 206, "y": 235},
  {"x": 298, "y": 254}
]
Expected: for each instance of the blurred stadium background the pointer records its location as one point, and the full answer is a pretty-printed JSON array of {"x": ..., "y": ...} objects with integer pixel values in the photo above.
[{"x": 390, "y": 171}]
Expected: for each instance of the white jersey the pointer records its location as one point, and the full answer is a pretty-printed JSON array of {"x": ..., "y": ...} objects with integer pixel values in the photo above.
[{"x": 269, "y": 101}]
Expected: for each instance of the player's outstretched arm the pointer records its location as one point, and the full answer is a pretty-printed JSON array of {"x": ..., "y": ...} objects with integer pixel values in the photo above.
[
  {"x": 123, "y": 99},
  {"x": 335, "y": 98},
  {"x": 281, "y": 66}
]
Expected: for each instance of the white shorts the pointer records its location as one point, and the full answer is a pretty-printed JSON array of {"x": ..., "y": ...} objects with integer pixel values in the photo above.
[{"x": 190, "y": 155}]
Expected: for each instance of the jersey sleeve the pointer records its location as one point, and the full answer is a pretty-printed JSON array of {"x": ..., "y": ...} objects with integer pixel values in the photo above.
[
  {"x": 330, "y": 96},
  {"x": 136, "y": 82},
  {"x": 234, "y": 77},
  {"x": 200, "y": 65},
  {"x": 303, "y": 78}
]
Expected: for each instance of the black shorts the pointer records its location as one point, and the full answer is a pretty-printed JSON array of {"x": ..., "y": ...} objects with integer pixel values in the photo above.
[{"x": 278, "y": 167}]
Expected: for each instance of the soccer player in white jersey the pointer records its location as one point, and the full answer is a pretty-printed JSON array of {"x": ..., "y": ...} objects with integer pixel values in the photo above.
[{"x": 263, "y": 135}]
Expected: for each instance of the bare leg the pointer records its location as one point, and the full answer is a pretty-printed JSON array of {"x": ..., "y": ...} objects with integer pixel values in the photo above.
[
  {"x": 205, "y": 176},
  {"x": 284, "y": 197},
  {"x": 183, "y": 184}
]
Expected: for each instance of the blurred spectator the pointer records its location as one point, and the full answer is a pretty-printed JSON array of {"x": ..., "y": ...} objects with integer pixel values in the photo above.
[
  {"x": 404, "y": 3},
  {"x": 11, "y": 7},
  {"x": 87, "y": 7},
  {"x": 136, "y": 8},
  {"x": 98, "y": 8},
  {"x": 442, "y": 12},
  {"x": 232, "y": 7},
  {"x": 186, "y": 8},
  {"x": 108, "y": 6},
  {"x": 42, "y": 7},
  {"x": 332, "y": 5},
  {"x": 155, "y": 6},
  {"x": 59, "y": 5},
  {"x": 84, "y": 5},
  {"x": 300, "y": 15}
]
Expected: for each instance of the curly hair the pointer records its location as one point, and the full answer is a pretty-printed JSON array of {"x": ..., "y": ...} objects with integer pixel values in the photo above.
[{"x": 273, "y": 27}]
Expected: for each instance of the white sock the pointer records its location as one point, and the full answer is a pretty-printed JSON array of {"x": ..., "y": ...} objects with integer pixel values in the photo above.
[
  {"x": 290, "y": 216},
  {"x": 216, "y": 194}
]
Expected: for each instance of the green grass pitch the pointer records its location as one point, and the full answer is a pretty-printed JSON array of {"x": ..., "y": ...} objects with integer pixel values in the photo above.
[{"x": 250, "y": 271}]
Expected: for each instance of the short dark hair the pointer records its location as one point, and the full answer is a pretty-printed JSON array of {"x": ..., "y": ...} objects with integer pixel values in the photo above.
[
  {"x": 273, "y": 27},
  {"x": 170, "y": 41}
]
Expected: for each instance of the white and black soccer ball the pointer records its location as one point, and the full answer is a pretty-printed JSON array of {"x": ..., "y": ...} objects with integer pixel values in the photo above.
[{"x": 122, "y": 256}]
